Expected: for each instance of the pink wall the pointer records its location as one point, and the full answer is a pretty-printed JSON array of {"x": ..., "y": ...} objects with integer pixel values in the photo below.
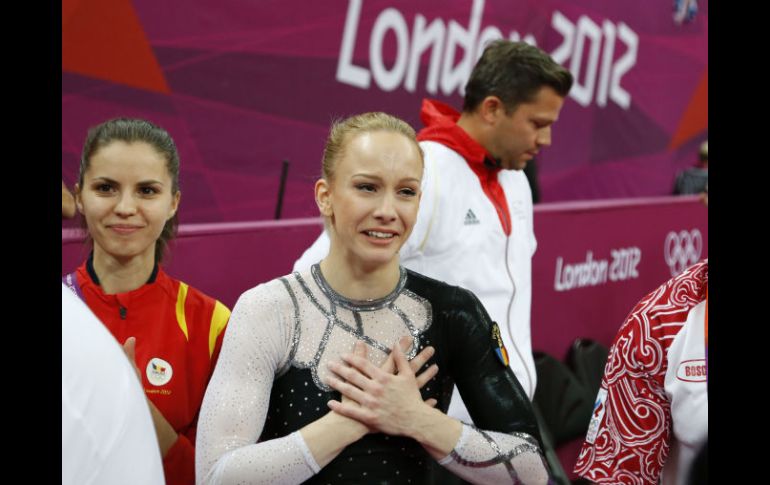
[{"x": 629, "y": 236}]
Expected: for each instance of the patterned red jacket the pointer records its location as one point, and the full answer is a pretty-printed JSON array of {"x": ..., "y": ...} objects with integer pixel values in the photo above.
[{"x": 651, "y": 415}]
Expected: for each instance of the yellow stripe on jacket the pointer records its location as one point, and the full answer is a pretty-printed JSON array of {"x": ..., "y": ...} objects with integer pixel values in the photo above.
[
  {"x": 219, "y": 319},
  {"x": 181, "y": 296}
]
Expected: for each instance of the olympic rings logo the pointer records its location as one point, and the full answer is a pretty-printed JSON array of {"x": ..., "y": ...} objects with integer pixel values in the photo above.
[{"x": 682, "y": 250}]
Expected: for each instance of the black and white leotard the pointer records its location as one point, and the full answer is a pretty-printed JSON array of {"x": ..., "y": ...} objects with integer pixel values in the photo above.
[{"x": 270, "y": 382}]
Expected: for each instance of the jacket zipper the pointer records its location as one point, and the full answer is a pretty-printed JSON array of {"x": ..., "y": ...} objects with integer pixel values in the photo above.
[{"x": 531, "y": 391}]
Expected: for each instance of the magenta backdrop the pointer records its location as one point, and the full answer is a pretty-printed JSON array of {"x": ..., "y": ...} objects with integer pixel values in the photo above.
[{"x": 243, "y": 85}]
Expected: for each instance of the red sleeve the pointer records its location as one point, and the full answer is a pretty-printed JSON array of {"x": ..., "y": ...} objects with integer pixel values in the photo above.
[
  {"x": 179, "y": 462},
  {"x": 628, "y": 436}
]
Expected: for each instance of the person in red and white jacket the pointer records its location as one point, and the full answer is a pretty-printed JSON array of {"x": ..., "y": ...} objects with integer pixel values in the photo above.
[{"x": 651, "y": 414}]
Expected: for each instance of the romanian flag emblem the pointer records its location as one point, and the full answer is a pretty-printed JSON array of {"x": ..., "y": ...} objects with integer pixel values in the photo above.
[{"x": 502, "y": 354}]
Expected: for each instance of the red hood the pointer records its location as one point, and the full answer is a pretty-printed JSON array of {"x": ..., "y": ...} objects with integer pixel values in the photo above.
[{"x": 440, "y": 121}]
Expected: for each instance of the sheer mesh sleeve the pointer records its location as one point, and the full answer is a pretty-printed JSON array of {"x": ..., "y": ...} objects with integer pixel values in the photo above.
[
  {"x": 257, "y": 346},
  {"x": 492, "y": 457}
]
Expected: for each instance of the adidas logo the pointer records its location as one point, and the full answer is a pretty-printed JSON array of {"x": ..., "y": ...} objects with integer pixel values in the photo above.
[{"x": 470, "y": 218}]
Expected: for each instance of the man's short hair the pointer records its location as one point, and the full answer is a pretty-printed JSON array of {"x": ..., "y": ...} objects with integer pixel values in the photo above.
[{"x": 514, "y": 72}]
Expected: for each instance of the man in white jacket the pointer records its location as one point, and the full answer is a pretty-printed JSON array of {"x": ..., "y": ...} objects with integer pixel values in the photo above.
[{"x": 474, "y": 227}]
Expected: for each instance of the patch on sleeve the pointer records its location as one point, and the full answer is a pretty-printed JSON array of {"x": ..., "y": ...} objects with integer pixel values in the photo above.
[
  {"x": 597, "y": 416},
  {"x": 497, "y": 343}
]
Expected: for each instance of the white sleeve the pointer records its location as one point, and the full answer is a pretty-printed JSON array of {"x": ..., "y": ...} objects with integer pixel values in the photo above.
[
  {"x": 529, "y": 208},
  {"x": 315, "y": 253},
  {"x": 426, "y": 214},
  {"x": 490, "y": 457},
  {"x": 256, "y": 345},
  {"x": 107, "y": 432},
  {"x": 532, "y": 239}
]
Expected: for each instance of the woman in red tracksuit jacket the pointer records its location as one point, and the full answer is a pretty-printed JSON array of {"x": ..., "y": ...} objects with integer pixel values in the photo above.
[{"x": 128, "y": 193}]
